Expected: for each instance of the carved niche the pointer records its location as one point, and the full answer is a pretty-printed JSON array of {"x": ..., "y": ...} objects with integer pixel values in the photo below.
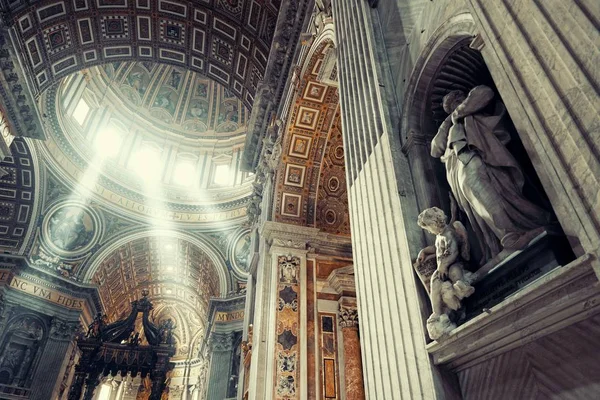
[{"x": 19, "y": 350}]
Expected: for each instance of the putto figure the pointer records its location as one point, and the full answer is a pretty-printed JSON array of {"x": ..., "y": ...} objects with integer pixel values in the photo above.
[
  {"x": 485, "y": 178},
  {"x": 451, "y": 282}
]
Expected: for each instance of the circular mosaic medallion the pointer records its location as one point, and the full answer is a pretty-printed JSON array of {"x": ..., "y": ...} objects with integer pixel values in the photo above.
[
  {"x": 71, "y": 229},
  {"x": 239, "y": 250}
]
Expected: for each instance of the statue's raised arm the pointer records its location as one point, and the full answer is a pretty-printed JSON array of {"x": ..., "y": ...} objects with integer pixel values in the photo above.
[{"x": 478, "y": 98}]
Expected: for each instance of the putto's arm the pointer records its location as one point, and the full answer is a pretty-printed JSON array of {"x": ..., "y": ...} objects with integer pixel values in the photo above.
[{"x": 478, "y": 98}]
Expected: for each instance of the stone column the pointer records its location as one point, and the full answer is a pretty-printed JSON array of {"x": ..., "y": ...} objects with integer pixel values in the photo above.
[
  {"x": 55, "y": 357},
  {"x": 131, "y": 387},
  {"x": 186, "y": 392},
  {"x": 121, "y": 389},
  {"x": 115, "y": 388},
  {"x": 383, "y": 212},
  {"x": 195, "y": 392},
  {"x": 353, "y": 378},
  {"x": 220, "y": 365},
  {"x": 278, "y": 367}
]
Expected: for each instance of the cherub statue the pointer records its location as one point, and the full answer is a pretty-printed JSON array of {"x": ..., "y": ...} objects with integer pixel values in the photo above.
[{"x": 450, "y": 283}]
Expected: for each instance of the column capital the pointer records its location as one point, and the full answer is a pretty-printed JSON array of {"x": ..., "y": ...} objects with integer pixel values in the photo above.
[
  {"x": 62, "y": 330},
  {"x": 221, "y": 341},
  {"x": 348, "y": 316}
]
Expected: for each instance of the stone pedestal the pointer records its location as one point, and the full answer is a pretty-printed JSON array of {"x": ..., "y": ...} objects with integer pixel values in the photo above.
[
  {"x": 517, "y": 271},
  {"x": 353, "y": 377}
]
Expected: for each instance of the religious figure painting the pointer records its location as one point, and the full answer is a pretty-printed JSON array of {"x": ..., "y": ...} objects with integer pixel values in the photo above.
[
  {"x": 242, "y": 248},
  {"x": 71, "y": 228}
]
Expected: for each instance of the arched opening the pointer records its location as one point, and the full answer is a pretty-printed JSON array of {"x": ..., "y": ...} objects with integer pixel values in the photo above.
[
  {"x": 20, "y": 353},
  {"x": 180, "y": 279},
  {"x": 311, "y": 180}
]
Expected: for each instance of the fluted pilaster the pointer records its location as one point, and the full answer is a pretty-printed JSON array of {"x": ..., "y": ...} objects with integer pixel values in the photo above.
[
  {"x": 220, "y": 365},
  {"x": 394, "y": 359},
  {"x": 53, "y": 362}
]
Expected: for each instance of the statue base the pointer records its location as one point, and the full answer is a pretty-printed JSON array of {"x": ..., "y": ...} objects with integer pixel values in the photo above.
[{"x": 511, "y": 271}]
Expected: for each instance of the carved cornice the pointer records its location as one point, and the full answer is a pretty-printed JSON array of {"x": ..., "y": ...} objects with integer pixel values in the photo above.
[
  {"x": 342, "y": 280},
  {"x": 348, "y": 317},
  {"x": 17, "y": 101},
  {"x": 415, "y": 139},
  {"x": 291, "y": 21},
  {"x": 21, "y": 267},
  {"x": 306, "y": 238}
]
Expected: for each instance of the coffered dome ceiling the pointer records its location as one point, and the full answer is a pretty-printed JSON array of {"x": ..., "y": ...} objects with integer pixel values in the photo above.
[
  {"x": 226, "y": 40},
  {"x": 154, "y": 140},
  {"x": 178, "y": 102}
]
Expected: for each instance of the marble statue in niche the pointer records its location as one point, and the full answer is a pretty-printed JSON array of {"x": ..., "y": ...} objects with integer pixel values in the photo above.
[
  {"x": 485, "y": 178},
  {"x": 451, "y": 281}
]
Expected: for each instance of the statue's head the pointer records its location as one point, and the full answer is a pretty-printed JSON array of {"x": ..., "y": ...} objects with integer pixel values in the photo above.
[
  {"x": 432, "y": 220},
  {"x": 453, "y": 100}
]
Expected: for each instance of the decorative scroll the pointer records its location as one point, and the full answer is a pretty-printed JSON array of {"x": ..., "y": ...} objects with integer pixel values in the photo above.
[{"x": 288, "y": 321}]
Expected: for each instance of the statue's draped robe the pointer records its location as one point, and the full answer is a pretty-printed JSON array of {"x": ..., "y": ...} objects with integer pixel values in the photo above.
[{"x": 485, "y": 178}]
